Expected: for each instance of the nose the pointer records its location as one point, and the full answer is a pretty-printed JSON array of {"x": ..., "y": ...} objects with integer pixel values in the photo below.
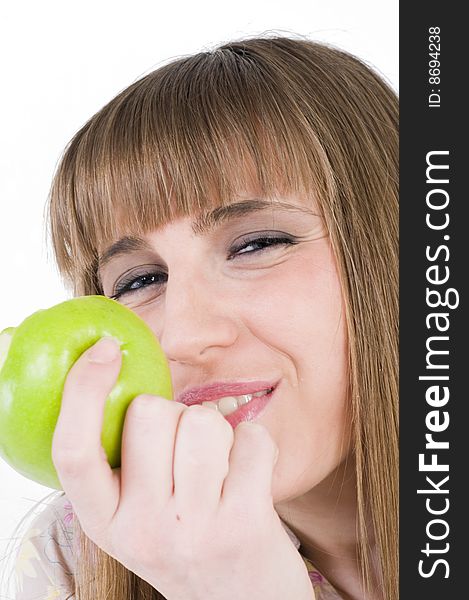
[{"x": 197, "y": 321}]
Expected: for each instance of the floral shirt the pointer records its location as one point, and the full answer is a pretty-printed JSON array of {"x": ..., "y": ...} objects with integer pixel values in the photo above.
[{"x": 44, "y": 563}]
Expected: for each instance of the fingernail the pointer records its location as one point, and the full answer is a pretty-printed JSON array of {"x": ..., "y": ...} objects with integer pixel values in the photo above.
[{"x": 104, "y": 351}]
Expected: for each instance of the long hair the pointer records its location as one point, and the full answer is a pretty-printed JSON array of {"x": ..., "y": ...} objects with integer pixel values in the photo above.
[{"x": 290, "y": 116}]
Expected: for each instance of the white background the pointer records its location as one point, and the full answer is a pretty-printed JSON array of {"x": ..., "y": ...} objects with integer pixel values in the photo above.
[{"x": 61, "y": 61}]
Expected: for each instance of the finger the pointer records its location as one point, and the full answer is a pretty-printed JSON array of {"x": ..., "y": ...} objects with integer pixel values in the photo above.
[
  {"x": 204, "y": 440},
  {"x": 78, "y": 456},
  {"x": 148, "y": 443},
  {"x": 252, "y": 460}
]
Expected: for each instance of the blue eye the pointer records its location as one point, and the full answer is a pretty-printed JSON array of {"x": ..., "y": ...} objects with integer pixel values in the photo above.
[{"x": 134, "y": 284}]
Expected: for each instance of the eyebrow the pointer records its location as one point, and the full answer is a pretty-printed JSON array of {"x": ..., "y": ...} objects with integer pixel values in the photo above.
[{"x": 202, "y": 225}]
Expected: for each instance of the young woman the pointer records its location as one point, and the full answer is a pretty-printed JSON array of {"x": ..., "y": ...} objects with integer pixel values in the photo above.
[{"x": 243, "y": 202}]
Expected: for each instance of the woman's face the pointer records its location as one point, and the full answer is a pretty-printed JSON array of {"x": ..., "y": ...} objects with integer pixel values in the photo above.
[{"x": 249, "y": 293}]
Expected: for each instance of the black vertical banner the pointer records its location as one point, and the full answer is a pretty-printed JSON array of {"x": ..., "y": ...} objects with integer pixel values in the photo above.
[{"x": 434, "y": 346}]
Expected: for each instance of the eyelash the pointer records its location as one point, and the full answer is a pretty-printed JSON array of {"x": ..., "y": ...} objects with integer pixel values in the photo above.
[{"x": 125, "y": 286}]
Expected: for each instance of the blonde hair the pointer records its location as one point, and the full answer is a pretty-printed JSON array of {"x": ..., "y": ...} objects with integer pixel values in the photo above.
[{"x": 288, "y": 115}]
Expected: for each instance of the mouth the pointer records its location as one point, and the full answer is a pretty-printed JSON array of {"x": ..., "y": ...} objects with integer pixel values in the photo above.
[
  {"x": 230, "y": 404},
  {"x": 236, "y": 401},
  {"x": 251, "y": 409}
]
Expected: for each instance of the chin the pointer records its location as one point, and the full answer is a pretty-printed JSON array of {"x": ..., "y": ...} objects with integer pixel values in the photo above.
[
  {"x": 284, "y": 490},
  {"x": 288, "y": 486}
]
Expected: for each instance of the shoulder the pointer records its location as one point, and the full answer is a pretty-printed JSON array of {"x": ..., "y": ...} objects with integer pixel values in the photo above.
[{"x": 44, "y": 563}]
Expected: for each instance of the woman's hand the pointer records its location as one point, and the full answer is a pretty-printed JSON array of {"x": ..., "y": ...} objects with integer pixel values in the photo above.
[{"x": 190, "y": 510}]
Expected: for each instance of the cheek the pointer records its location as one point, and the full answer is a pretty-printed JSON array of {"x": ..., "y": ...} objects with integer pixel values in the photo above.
[
  {"x": 312, "y": 428},
  {"x": 297, "y": 308},
  {"x": 300, "y": 317}
]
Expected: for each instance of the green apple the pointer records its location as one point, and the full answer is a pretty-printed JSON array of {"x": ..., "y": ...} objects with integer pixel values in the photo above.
[{"x": 35, "y": 358}]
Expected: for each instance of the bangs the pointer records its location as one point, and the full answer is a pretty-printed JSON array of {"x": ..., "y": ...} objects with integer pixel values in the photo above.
[{"x": 183, "y": 140}]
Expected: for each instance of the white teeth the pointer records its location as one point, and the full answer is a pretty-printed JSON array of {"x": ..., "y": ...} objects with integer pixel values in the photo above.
[
  {"x": 210, "y": 405},
  {"x": 229, "y": 404},
  {"x": 246, "y": 398}
]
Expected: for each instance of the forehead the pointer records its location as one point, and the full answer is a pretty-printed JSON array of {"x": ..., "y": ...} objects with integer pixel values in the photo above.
[{"x": 207, "y": 221}]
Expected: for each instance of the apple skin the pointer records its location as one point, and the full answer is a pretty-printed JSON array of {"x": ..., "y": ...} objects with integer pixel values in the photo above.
[{"x": 43, "y": 348}]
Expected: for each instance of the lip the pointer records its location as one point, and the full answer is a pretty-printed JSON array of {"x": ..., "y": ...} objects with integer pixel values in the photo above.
[
  {"x": 218, "y": 390},
  {"x": 249, "y": 411}
]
